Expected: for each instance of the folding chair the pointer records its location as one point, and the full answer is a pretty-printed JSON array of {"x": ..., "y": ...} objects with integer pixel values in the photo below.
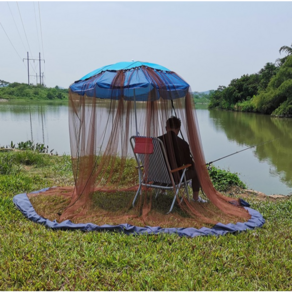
[{"x": 154, "y": 168}]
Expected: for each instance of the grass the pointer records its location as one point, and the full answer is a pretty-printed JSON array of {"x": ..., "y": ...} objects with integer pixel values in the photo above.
[{"x": 35, "y": 258}]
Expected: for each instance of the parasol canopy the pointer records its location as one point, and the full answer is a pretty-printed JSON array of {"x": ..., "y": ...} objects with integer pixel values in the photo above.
[{"x": 139, "y": 78}]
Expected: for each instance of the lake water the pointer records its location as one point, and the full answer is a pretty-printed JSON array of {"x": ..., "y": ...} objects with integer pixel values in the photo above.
[{"x": 266, "y": 167}]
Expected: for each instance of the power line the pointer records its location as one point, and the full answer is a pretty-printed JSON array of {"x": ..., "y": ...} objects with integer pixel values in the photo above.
[
  {"x": 24, "y": 32},
  {"x": 41, "y": 29},
  {"x": 36, "y": 24},
  {"x": 16, "y": 27},
  {"x": 10, "y": 41},
  {"x": 41, "y": 35},
  {"x": 41, "y": 74},
  {"x": 23, "y": 27}
]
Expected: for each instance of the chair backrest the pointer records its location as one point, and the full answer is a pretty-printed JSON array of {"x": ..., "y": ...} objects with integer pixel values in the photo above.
[{"x": 150, "y": 153}]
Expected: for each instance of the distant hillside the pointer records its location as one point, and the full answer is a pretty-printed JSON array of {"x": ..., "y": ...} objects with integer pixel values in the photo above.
[
  {"x": 203, "y": 92},
  {"x": 202, "y": 97}
]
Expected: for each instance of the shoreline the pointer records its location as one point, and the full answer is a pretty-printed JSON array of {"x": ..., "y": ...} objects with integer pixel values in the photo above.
[
  {"x": 251, "y": 112},
  {"x": 249, "y": 193},
  {"x": 22, "y": 100}
]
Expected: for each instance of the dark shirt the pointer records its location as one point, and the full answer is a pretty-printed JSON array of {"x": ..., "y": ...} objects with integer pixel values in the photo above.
[{"x": 178, "y": 150}]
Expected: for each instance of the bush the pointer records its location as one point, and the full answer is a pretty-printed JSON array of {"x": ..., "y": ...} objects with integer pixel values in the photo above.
[
  {"x": 223, "y": 179},
  {"x": 30, "y": 158},
  {"x": 29, "y": 145},
  {"x": 7, "y": 165},
  {"x": 285, "y": 109},
  {"x": 278, "y": 91},
  {"x": 35, "y": 92},
  {"x": 245, "y": 106}
]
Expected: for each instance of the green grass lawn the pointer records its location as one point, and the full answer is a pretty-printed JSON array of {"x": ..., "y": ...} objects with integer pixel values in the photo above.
[{"x": 35, "y": 258}]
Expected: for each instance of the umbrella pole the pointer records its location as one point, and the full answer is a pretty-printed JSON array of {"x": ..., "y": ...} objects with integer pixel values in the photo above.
[{"x": 137, "y": 133}]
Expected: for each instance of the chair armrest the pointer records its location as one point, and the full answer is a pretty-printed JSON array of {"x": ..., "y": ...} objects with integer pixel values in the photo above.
[
  {"x": 180, "y": 168},
  {"x": 141, "y": 166}
]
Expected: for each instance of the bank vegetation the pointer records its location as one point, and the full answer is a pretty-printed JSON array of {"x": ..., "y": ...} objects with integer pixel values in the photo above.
[
  {"x": 268, "y": 92},
  {"x": 22, "y": 91}
]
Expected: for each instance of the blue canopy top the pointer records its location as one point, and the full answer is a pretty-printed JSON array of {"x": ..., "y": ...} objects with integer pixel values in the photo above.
[
  {"x": 123, "y": 66},
  {"x": 137, "y": 84}
]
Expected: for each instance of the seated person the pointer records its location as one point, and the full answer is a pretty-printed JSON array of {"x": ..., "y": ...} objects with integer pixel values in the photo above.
[{"x": 178, "y": 152}]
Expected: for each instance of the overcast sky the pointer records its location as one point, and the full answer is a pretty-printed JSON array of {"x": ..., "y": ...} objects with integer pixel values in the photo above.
[{"x": 206, "y": 43}]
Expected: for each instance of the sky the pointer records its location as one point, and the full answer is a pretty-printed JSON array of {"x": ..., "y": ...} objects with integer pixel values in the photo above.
[{"x": 207, "y": 43}]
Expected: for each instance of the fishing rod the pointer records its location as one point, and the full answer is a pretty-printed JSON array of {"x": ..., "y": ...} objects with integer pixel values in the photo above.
[
  {"x": 208, "y": 164},
  {"x": 241, "y": 151}
]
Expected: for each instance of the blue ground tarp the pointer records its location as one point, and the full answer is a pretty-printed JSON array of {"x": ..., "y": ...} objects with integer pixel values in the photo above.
[{"x": 23, "y": 203}]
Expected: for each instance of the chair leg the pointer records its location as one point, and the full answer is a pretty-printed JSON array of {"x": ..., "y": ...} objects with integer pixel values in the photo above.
[
  {"x": 182, "y": 198},
  {"x": 177, "y": 190},
  {"x": 173, "y": 201},
  {"x": 157, "y": 193},
  {"x": 186, "y": 188},
  {"x": 172, "y": 204},
  {"x": 136, "y": 195}
]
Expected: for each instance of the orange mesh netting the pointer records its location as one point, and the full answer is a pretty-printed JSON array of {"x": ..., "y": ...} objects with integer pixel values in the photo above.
[{"x": 103, "y": 165}]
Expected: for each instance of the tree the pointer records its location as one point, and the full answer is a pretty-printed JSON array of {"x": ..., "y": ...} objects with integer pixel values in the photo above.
[
  {"x": 288, "y": 51},
  {"x": 266, "y": 74},
  {"x": 50, "y": 95},
  {"x": 216, "y": 97},
  {"x": 3, "y": 83},
  {"x": 278, "y": 91}
]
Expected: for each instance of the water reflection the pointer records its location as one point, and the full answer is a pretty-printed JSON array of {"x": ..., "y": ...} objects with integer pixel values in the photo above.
[
  {"x": 41, "y": 122},
  {"x": 272, "y": 135}
]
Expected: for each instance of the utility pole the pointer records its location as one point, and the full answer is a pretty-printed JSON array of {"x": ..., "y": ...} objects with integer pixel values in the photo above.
[
  {"x": 27, "y": 67},
  {"x": 39, "y": 59},
  {"x": 40, "y": 68},
  {"x": 36, "y": 78},
  {"x": 43, "y": 78}
]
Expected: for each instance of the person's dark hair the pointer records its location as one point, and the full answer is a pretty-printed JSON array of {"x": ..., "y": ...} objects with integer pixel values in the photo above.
[{"x": 173, "y": 123}]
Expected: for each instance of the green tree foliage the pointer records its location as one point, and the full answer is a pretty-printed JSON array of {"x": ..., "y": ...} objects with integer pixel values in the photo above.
[
  {"x": 3, "y": 83},
  {"x": 240, "y": 92},
  {"x": 268, "y": 91},
  {"x": 216, "y": 97},
  {"x": 16, "y": 90},
  {"x": 278, "y": 93},
  {"x": 288, "y": 51},
  {"x": 266, "y": 74}
]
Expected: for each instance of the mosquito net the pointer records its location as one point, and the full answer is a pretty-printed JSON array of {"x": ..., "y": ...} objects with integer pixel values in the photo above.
[{"x": 105, "y": 110}]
